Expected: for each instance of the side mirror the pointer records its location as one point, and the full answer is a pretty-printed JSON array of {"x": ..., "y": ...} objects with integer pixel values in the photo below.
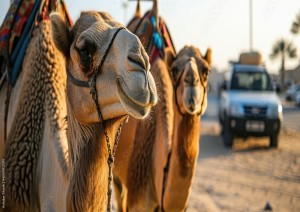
[{"x": 276, "y": 88}]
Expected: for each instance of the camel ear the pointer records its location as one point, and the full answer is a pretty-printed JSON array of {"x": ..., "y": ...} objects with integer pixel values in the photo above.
[
  {"x": 207, "y": 56},
  {"x": 169, "y": 57},
  {"x": 60, "y": 33}
]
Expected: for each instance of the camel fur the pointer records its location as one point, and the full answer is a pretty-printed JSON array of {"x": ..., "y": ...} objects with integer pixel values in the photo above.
[
  {"x": 55, "y": 154},
  {"x": 137, "y": 170},
  {"x": 192, "y": 103}
]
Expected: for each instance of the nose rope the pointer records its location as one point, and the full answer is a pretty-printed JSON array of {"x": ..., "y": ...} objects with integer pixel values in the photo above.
[
  {"x": 204, "y": 93},
  {"x": 175, "y": 89},
  {"x": 89, "y": 83}
]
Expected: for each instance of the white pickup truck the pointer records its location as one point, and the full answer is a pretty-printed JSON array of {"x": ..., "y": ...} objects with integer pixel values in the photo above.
[{"x": 249, "y": 106}]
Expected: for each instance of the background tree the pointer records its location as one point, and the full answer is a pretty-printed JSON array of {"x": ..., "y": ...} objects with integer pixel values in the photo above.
[
  {"x": 296, "y": 25},
  {"x": 283, "y": 49}
]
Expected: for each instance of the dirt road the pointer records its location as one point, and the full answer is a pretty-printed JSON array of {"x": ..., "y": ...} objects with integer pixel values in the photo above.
[{"x": 248, "y": 177}]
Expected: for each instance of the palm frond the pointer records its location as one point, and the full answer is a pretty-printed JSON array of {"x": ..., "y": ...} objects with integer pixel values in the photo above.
[
  {"x": 295, "y": 29},
  {"x": 291, "y": 50},
  {"x": 277, "y": 49},
  {"x": 283, "y": 47}
]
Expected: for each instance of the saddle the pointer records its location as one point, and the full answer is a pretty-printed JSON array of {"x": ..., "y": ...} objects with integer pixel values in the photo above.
[
  {"x": 15, "y": 33},
  {"x": 154, "y": 36}
]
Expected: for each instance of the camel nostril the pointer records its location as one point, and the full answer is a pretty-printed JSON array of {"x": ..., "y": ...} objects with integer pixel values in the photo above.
[
  {"x": 192, "y": 105},
  {"x": 192, "y": 108}
]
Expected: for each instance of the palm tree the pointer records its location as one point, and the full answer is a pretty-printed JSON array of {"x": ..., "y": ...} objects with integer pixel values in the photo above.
[
  {"x": 283, "y": 49},
  {"x": 296, "y": 25}
]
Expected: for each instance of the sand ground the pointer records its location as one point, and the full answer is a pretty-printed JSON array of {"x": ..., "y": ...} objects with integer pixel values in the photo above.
[{"x": 248, "y": 177}]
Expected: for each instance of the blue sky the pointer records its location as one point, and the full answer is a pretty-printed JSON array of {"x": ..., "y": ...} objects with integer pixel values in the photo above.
[{"x": 222, "y": 25}]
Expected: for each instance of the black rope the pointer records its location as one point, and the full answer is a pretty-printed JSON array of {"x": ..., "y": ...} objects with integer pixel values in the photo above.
[
  {"x": 175, "y": 89},
  {"x": 79, "y": 83},
  {"x": 94, "y": 93},
  {"x": 204, "y": 93},
  {"x": 92, "y": 85}
]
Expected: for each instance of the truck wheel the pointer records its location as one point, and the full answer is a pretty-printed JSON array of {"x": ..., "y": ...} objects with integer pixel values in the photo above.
[
  {"x": 274, "y": 141},
  {"x": 227, "y": 136}
]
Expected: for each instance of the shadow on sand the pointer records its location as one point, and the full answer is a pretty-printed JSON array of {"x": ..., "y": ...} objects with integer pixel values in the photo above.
[{"x": 211, "y": 146}]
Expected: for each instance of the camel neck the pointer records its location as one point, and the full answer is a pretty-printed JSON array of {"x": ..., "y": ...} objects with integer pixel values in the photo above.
[
  {"x": 186, "y": 139},
  {"x": 88, "y": 163},
  {"x": 183, "y": 161}
]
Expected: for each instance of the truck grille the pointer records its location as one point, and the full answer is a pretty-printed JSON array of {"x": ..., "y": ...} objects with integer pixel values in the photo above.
[{"x": 255, "y": 111}]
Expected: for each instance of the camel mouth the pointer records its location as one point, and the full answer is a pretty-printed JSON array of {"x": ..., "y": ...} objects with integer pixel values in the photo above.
[
  {"x": 134, "y": 107},
  {"x": 191, "y": 104},
  {"x": 191, "y": 109},
  {"x": 136, "y": 62}
]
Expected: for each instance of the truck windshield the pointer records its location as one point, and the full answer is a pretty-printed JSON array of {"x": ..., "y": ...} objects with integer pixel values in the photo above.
[{"x": 253, "y": 81}]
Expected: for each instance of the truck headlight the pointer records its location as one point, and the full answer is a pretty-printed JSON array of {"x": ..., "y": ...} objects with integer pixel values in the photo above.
[
  {"x": 279, "y": 109},
  {"x": 275, "y": 111},
  {"x": 235, "y": 109}
]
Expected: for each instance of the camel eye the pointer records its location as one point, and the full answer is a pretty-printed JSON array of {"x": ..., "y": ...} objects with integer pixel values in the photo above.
[
  {"x": 85, "y": 56},
  {"x": 86, "y": 49},
  {"x": 205, "y": 71},
  {"x": 85, "y": 59},
  {"x": 175, "y": 73}
]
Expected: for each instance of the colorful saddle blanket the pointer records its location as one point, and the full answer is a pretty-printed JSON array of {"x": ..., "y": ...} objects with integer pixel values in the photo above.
[
  {"x": 15, "y": 32},
  {"x": 155, "y": 39},
  {"x": 13, "y": 24}
]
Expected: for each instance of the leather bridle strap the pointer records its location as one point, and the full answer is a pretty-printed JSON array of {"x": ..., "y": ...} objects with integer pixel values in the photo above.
[
  {"x": 204, "y": 93},
  {"x": 91, "y": 83},
  {"x": 175, "y": 89},
  {"x": 79, "y": 83}
]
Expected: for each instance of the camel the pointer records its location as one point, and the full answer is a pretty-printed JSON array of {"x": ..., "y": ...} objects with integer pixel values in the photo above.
[
  {"x": 152, "y": 174},
  {"x": 156, "y": 132},
  {"x": 56, "y": 153},
  {"x": 189, "y": 73}
]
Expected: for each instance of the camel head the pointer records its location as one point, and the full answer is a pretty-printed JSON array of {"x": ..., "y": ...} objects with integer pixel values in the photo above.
[
  {"x": 124, "y": 83},
  {"x": 189, "y": 72}
]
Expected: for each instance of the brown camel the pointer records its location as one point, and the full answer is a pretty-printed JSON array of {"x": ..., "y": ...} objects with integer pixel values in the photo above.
[
  {"x": 189, "y": 72},
  {"x": 47, "y": 168},
  {"x": 154, "y": 176},
  {"x": 153, "y": 133}
]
